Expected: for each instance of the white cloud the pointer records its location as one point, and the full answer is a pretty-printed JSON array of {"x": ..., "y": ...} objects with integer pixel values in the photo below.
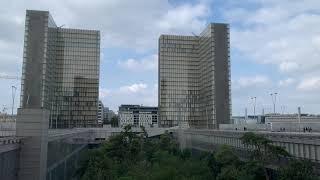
[
  {"x": 252, "y": 81},
  {"x": 286, "y": 82},
  {"x": 134, "y": 88},
  {"x": 279, "y": 33},
  {"x": 310, "y": 84},
  {"x": 184, "y": 19},
  {"x": 136, "y": 93},
  {"x": 149, "y": 63},
  {"x": 103, "y": 92},
  {"x": 288, "y": 66}
]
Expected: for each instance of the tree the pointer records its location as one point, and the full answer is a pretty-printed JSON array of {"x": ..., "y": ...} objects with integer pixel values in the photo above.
[
  {"x": 114, "y": 121},
  {"x": 297, "y": 170},
  {"x": 262, "y": 149}
]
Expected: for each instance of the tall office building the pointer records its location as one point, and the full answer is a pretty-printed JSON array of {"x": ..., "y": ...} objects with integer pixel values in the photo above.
[
  {"x": 60, "y": 71},
  {"x": 194, "y": 78}
]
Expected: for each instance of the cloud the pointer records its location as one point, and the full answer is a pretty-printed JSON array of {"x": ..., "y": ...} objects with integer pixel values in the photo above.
[
  {"x": 310, "y": 84},
  {"x": 149, "y": 63},
  {"x": 279, "y": 33},
  {"x": 103, "y": 92},
  {"x": 252, "y": 81},
  {"x": 134, "y": 88},
  {"x": 136, "y": 93},
  {"x": 286, "y": 82},
  {"x": 288, "y": 66},
  {"x": 184, "y": 19}
]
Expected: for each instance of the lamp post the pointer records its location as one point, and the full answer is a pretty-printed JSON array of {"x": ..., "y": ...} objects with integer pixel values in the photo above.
[
  {"x": 274, "y": 100},
  {"x": 254, "y": 106},
  {"x": 14, "y": 89}
]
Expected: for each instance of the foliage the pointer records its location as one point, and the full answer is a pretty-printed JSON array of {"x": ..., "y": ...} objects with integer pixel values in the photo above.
[
  {"x": 297, "y": 170},
  {"x": 114, "y": 121},
  {"x": 134, "y": 156},
  {"x": 262, "y": 148}
]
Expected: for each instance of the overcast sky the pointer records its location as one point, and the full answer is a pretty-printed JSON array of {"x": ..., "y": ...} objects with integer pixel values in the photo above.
[{"x": 275, "y": 46}]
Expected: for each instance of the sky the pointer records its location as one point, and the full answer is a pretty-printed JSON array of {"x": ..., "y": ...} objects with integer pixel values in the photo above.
[{"x": 275, "y": 47}]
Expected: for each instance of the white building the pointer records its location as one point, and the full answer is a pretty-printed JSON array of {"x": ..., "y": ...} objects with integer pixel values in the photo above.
[
  {"x": 7, "y": 125},
  {"x": 292, "y": 118},
  {"x": 137, "y": 116},
  {"x": 100, "y": 113}
]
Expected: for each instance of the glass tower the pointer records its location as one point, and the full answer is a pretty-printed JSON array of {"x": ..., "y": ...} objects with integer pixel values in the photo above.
[
  {"x": 194, "y": 78},
  {"x": 60, "y": 71}
]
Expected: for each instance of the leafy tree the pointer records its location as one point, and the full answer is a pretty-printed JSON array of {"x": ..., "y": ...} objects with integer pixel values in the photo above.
[
  {"x": 252, "y": 170},
  {"x": 297, "y": 170},
  {"x": 134, "y": 156},
  {"x": 263, "y": 150},
  {"x": 226, "y": 156},
  {"x": 114, "y": 121}
]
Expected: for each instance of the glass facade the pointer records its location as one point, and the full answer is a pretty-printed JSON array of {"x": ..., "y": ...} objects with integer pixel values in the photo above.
[
  {"x": 193, "y": 72},
  {"x": 61, "y": 71}
]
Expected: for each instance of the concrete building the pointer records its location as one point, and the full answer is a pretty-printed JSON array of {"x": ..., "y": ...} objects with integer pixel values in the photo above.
[
  {"x": 100, "y": 113},
  {"x": 292, "y": 118},
  {"x": 194, "y": 78},
  {"x": 108, "y": 115},
  {"x": 137, "y": 116},
  {"x": 275, "y": 123},
  {"x": 60, "y": 71},
  {"x": 7, "y": 125}
]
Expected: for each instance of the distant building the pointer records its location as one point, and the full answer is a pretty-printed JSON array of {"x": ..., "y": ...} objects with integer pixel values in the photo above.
[
  {"x": 60, "y": 71},
  {"x": 194, "y": 78},
  {"x": 275, "y": 122},
  {"x": 137, "y": 115},
  {"x": 7, "y": 124},
  {"x": 244, "y": 120},
  {"x": 292, "y": 118},
  {"x": 108, "y": 114},
  {"x": 100, "y": 113}
]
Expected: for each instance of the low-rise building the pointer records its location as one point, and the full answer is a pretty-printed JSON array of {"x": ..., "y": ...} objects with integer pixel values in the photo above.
[
  {"x": 137, "y": 116},
  {"x": 292, "y": 118},
  {"x": 7, "y": 125}
]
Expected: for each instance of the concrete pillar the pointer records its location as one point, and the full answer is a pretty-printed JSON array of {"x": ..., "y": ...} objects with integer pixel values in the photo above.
[
  {"x": 317, "y": 153},
  {"x": 312, "y": 152},
  {"x": 301, "y": 151},
  {"x": 296, "y": 150},
  {"x": 32, "y": 125},
  {"x": 291, "y": 148},
  {"x": 306, "y": 151}
]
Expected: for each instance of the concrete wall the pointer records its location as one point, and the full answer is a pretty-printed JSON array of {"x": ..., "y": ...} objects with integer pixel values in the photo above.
[
  {"x": 9, "y": 164},
  {"x": 299, "y": 145},
  {"x": 9, "y": 158},
  {"x": 32, "y": 125}
]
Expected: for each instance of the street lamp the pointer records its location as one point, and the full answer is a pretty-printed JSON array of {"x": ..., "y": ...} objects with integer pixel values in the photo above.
[
  {"x": 254, "y": 105},
  {"x": 274, "y": 100},
  {"x": 14, "y": 89}
]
